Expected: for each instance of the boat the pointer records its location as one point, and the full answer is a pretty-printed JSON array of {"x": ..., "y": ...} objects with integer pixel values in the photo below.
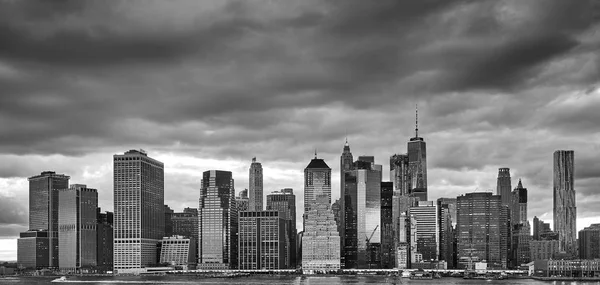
[
  {"x": 405, "y": 274},
  {"x": 61, "y": 279},
  {"x": 421, "y": 275}
]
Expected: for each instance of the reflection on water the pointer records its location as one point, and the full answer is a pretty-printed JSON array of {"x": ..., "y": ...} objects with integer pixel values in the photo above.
[{"x": 271, "y": 280}]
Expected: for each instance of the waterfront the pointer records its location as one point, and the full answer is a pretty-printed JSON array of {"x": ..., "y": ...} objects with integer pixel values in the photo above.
[{"x": 274, "y": 280}]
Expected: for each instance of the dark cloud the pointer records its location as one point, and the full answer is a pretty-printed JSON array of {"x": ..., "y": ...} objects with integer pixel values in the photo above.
[{"x": 12, "y": 211}]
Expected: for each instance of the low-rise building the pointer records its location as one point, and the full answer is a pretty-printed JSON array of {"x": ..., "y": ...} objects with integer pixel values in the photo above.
[
  {"x": 33, "y": 250},
  {"x": 567, "y": 268},
  {"x": 543, "y": 249},
  {"x": 178, "y": 251}
]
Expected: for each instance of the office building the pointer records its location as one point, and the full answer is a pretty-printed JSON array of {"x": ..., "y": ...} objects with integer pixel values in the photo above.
[
  {"x": 104, "y": 241},
  {"x": 320, "y": 239},
  {"x": 77, "y": 221},
  {"x": 503, "y": 186},
  {"x": 178, "y": 251},
  {"x": 284, "y": 201},
  {"x": 33, "y": 250},
  {"x": 43, "y": 210},
  {"x": 539, "y": 228},
  {"x": 263, "y": 240},
  {"x": 387, "y": 225},
  {"x": 362, "y": 202},
  {"x": 565, "y": 211},
  {"x": 317, "y": 181},
  {"x": 139, "y": 218},
  {"x": 217, "y": 220},
  {"x": 346, "y": 164},
  {"x": 589, "y": 242},
  {"x": 543, "y": 249},
  {"x": 417, "y": 165},
  {"x": 520, "y": 228},
  {"x": 406, "y": 245},
  {"x": 168, "y": 222},
  {"x": 242, "y": 201},
  {"x": 426, "y": 216},
  {"x": 399, "y": 173},
  {"x": 482, "y": 230},
  {"x": 446, "y": 220},
  {"x": 255, "y": 202}
]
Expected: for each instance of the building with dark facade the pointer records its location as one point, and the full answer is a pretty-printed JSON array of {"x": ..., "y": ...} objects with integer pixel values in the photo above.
[
  {"x": 33, "y": 250},
  {"x": 217, "y": 220},
  {"x": 263, "y": 240},
  {"x": 255, "y": 189},
  {"x": 539, "y": 228},
  {"x": 346, "y": 164},
  {"x": 481, "y": 230},
  {"x": 284, "y": 201},
  {"x": 426, "y": 216},
  {"x": 139, "y": 217},
  {"x": 589, "y": 242},
  {"x": 399, "y": 173},
  {"x": 168, "y": 223},
  {"x": 565, "y": 210},
  {"x": 542, "y": 249},
  {"x": 504, "y": 186},
  {"x": 242, "y": 201},
  {"x": 77, "y": 222},
  {"x": 417, "y": 164},
  {"x": 520, "y": 227},
  {"x": 446, "y": 220},
  {"x": 104, "y": 241},
  {"x": 43, "y": 213},
  {"x": 387, "y": 226}
]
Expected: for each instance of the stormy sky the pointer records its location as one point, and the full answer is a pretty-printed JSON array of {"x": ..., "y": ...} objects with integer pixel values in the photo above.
[{"x": 206, "y": 85}]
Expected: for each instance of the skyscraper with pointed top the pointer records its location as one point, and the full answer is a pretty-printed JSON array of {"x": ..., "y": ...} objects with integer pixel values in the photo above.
[
  {"x": 346, "y": 165},
  {"x": 417, "y": 164},
  {"x": 503, "y": 186},
  {"x": 317, "y": 181},
  {"x": 255, "y": 203}
]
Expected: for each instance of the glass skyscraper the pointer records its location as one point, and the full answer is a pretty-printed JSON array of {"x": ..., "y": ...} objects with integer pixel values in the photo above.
[
  {"x": 217, "y": 221},
  {"x": 565, "y": 211},
  {"x": 317, "y": 181},
  {"x": 255, "y": 203},
  {"x": 138, "y": 209}
]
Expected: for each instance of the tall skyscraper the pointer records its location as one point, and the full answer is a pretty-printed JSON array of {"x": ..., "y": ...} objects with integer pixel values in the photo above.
[
  {"x": 446, "y": 222},
  {"x": 482, "y": 230},
  {"x": 320, "y": 239},
  {"x": 565, "y": 211},
  {"x": 284, "y": 201},
  {"x": 139, "y": 217},
  {"x": 399, "y": 173},
  {"x": 217, "y": 221},
  {"x": 362, "y": 202},
  {"x": 417, "y": 164},
  {"x": 387, "y": 225},
  {"x": 43, "y": 209},
  {"x": 503, "y": 186},
  {"x": 520, "y": 228},
  {"x": 426, "y": 216},
  {"x": 264, "y": 240},
  {"x": 255, "y": 203},
  {"x": 317, "y": 181},
  {"x": 104, "y": 241},
  {"x": 346, "y": 164},
  {"x": 589, "y": 242},
  {"x": 77, "y": 228}
]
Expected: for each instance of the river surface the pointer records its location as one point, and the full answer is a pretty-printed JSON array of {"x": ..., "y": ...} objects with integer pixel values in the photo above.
[{"x": 273, "y": 280}]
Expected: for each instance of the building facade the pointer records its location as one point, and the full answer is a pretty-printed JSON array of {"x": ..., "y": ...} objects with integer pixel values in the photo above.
[
  {"x": 481, "y": 230},
  {"x": 446, "y": 220},
  {"x": 33, "y": 250},
  {"x": 77, "y": 222},
  {"x": 284, "y": 201},
  {"x": 43, "y": 209},
  {"x": 217, "y": 221},
  {"x": 504, "y": 186},
  {"x": 539, "y": 228},
  {"x": 138, "y": 209},
  {"x": 255, "y": 202},
  {"x": 263, "y": 240},
  {"x": 317, "y": 181},
  {"x": 543, "y": 249},
  {"x": 565, "y": 211},
  {"x": 520, "y": 227},
  {"x": 178, "y": 251},
  {"x": 426, "y": 216},
  {"x": 320, "y": 239},
  {"x": 346, "y": 165},
  {"x": 417, "y": 165},
  {"x": 387, "y": 225},
  {"x": 104, "y": 241},
  {"x": 589, "y": 242},
  {"x": 242, "y": 201}
]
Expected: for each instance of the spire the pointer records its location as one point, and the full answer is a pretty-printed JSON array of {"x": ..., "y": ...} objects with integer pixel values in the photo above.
[
  {"x": 315, "y": 152},
  {"x": 520, "y": 185},
  {"x": 254, "y": 159},
  {"x": 416, "y": 120}
]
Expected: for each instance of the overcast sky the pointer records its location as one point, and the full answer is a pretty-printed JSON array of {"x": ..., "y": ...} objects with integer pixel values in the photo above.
[{"x": 206, "y": 85}]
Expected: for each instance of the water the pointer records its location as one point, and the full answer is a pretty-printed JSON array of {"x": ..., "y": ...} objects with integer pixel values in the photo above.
[{"x": 273, "y": 280}]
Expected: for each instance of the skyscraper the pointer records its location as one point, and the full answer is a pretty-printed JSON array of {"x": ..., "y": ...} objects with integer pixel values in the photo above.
[
  {"x": 255, "y": 203},
  {"x": 417, "y": 165},
  {"x": 284, "y": 201},
  {"x": 317, "y": 181},
  {"x": 346, "y": 164},
  {"x": 387, "y": 225},
  {"x": 139, "y": 209},
  {"x": 104, "y": 241},
  {"x": 77, "y": 227},
  {"x": 539, "y": 228},
  {"x": 565, "y": 211},
  {"x": 503, "y": 186},
  {"x": 446, "y": 222},
  {"x": 263, "y": 240},
  {"x": 482, "y": 230},
  {"x": 520, "y": 228},
  {"x": 242, "y": 202},
  {"x": 399, "y": 173},
  {"x": 217, "y": 221},
  {"x": 43, "y": 209},
  {"x": 426, "y": 216},
  {"x": 589, "y": 242},
  {"x": 320, "y": 239}
]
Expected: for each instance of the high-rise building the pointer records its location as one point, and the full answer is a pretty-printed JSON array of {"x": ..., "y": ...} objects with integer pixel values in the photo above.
[
  {"x": 543, "y": 249},
  {"x": 446, "y": 222},
  {"x": 417, "y": 165},
  {"x": 320, "y": 239},
  {"x": 139, "y": 218},
  {"x": 43, "y": 212},
  {"x": 406, "y": 246},
  {"x": 346, "y": 164},
  {"x": 520, "y": 228},
  {"x": 519, "y": 205},
  {"x": 255, "y": 203},
  {"x": 77, "y": 220},
  {"x": 565, "y": 211},
  {"x": 503, "y": 186},
  {"x": 426, "y": 216},
  {"x": 178, "y": 251},
  {"x": 33, "y": 250},
  {"x": 362, "y": 202},
  {"x": 104, "y": 241},
  {"x": 317, "y": 181},
  {"x": 399, "y": 173},
  {"x": 589, "y": 242},
  {"x": 185, "y": 223},
  {"x": 284, "y": 201},
  {"x": 168, "y": 221},
  {"x": 482, "y": 230},
  {"x": 242, "y": 201},
  {"x": 263, "y": 240},
  {"x": 217, "y": 221},
  {"x": 387, "y": 225}
]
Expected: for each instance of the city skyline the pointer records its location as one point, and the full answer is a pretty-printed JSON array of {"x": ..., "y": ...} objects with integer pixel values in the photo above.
[{"x": 505, "y": 94}]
